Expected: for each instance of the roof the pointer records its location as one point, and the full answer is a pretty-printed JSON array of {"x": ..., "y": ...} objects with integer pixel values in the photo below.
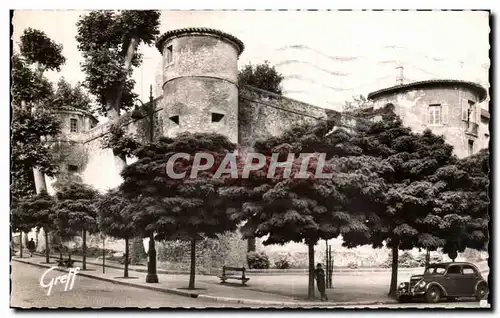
[
  {"x": 74, "y": 109},
  {"x": 481, "y": 91},
  {"x": 451, "y": 263},
  {"x": 185, "y": 31}
]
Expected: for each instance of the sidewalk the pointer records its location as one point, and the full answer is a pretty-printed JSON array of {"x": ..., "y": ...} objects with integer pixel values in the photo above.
[{"x": 285, "y": 291}]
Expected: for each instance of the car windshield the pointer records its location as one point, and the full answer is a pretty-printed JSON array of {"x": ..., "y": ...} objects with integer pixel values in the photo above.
[{"x": 437, "y": 269}]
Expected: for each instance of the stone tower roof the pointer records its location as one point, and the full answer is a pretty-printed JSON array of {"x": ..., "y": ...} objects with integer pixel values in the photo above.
[{"x": 200, "y": 31}]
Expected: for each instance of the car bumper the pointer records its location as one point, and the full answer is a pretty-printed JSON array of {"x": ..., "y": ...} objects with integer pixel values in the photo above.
[{"x": 411, "y": 294}]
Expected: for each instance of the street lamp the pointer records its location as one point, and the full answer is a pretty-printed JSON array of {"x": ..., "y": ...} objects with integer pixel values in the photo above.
[{"x": 151, "y": 277}]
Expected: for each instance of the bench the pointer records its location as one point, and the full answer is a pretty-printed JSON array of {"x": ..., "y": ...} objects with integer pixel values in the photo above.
[
  {"x": 65, "y": 262},
  {"x": 225, "y": 275}
]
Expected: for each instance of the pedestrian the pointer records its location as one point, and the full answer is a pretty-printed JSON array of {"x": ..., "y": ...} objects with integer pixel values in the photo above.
[
  {"x": 31, "y": 247},
  {"x": 319, "y": 274}
]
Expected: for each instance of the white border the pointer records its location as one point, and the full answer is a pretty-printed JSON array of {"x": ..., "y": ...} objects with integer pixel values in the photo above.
[{"x": 190, "y": 4}]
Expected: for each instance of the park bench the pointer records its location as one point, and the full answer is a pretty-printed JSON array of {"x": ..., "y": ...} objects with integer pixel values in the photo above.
[
  {"x": 65, "y": 262},
  {"x": 230, "y": 273}
]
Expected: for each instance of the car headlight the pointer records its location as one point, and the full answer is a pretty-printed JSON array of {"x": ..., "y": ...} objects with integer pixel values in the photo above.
[
  {"x": 422, "y": 284},
  {"x": 402, "y": 285}
]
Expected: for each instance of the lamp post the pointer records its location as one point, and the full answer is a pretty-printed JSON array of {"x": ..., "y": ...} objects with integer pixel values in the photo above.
[{"x": 152, "y": 276}]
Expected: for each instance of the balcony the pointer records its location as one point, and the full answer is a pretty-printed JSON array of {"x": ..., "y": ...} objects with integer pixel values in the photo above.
[{"x": 471, "y": 128}]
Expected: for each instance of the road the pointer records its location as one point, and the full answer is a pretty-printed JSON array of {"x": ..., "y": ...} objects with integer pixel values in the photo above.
[
  {"x": 87, "y": 292},
  {"x": 26, "y": 292}
]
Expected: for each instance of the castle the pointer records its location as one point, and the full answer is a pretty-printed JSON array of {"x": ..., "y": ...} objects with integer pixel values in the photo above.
[{"x": 201, "y": 94}]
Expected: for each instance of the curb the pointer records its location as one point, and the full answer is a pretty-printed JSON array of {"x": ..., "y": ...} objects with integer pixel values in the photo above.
[{"x": 214, "y": 298}]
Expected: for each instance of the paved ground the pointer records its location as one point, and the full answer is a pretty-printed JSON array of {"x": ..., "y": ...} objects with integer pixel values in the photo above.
[
  {"x": 288, "y": 289},
  {"x": 27, "y": 292}
]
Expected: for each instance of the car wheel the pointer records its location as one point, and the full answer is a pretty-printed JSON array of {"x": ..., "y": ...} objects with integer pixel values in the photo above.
[
  {"x": 433, "y": 295},
  {"x": 481, "y": 292}
]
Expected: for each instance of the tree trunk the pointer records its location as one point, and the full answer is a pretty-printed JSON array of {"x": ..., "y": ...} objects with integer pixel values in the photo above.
[
  {"x": 47, "y": 250},
  {"x": 427, "y": 258},
  {"x": 251, "y": 245},
  {"x": 193, "y": 264},
  {"x": 138, "y": 251},
  {"x": 132, "y": 47},
  {"x": 21, "y": 244},
  {"x": 84, "y": 250},
  {"x": 125, "y": 272},
  {"x": 310, "y": 290},
  {"x": 394, "y": 274}
]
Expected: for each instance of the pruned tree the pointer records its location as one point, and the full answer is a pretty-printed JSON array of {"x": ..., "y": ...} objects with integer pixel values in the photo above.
[
  {"x": 263, "y": 76},
  {"x": 21, "y": 220},
  {"x": 186, "y": 209},
  {"x": 41, "y": 208},
  {"x": 410, "y": 194},
  {"x": 115, "y": 215},
  {"x": 75, "y": 214}
]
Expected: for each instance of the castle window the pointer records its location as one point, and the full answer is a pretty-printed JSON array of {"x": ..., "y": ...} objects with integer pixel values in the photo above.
[
  {"x": 73, "y": 125},
  {"x": 175, "y": 119},
  {"x": 216, "y": 117},
  {"x": 72, "y": 168},
  {"x": 170, "y": 54},
  {"x": 471, "y": 147},
  {"x": 434, "y": 115},
  {"x": 469, "y": 110}
]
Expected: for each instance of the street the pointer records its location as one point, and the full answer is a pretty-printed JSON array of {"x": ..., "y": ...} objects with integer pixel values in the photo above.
[{"x": 26, "y": 292}]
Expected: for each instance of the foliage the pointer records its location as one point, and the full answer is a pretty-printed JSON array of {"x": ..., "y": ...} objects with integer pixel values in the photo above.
[
  {"x": 21, "y": 219},
  {"x": 257, "y": 260},
  {"x": 282, "y": 262},
  {"x": 352, "y": 265},
  {"x": 75, "y": 211},
  {"x": 115, "y": 215},
  {"x": 356, "y": 103},
  {"x": 103, "y": 38},
  {"x": 41, "y": 208},
  {"x": 68, "y": 96},
  {"x": 185, "y": 209},
  {"x": 32, "y": 120},
  {"x": 263, "y": 76},
  {"x": 36, "y": 47},
  {"x": 123, "y": 144}
]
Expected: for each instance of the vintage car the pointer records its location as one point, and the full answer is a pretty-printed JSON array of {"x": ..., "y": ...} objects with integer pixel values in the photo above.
[{"x": 445, "y": 280}]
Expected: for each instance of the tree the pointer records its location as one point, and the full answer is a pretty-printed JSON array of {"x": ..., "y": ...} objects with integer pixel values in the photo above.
[
  {"x": 307, "y": 209},
  {"x": 116, "y": 219},
  {"x": 399, "y": 219},
  {"x": 71, "y": 96},
  {"x": 20, "y": 221},
  {"x": 41, "y": 209},
  {"x": 108, "y": 42},
  {"x": 186, "y": 209},
  {"x": 30, "y": 125},
  {"x": 460, "y": 213},
  {"x": 356, "y": 103},
  {"x": 263, "y": 76},
  {"x": 40, "y": 51},
  {"x": 75, "y": 213}
]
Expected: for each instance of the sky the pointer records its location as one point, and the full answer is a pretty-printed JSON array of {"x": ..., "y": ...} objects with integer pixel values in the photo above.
[{"x": 326, "y": 57}]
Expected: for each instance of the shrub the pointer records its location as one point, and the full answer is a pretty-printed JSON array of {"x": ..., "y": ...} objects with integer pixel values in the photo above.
[
  {"x": 257, "y": 260},
  {"x": 282, "y": 263}
]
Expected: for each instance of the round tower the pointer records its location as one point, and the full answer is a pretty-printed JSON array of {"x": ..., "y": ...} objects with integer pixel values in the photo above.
[{"x": 200, "y": 81}]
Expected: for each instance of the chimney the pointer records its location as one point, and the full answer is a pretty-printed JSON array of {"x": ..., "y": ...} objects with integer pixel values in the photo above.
[{"x": 400, "y": 77}]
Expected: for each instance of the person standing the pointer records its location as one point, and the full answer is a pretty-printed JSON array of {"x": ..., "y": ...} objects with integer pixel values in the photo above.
[
  {"x": 31, "y": 247},
  {"x": 319, "y": 274}
]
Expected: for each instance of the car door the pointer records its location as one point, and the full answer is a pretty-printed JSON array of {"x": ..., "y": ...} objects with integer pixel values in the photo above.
[
  {"x": 468, "y": 280},
  {"x": 450, "y": 279}
]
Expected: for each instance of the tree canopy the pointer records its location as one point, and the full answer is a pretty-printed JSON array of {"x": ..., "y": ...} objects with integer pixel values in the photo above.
[
  {"x": 67, "y": 95},
  {"x": 263, "y": 76},
  {"x": 104, "y": 38}
]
